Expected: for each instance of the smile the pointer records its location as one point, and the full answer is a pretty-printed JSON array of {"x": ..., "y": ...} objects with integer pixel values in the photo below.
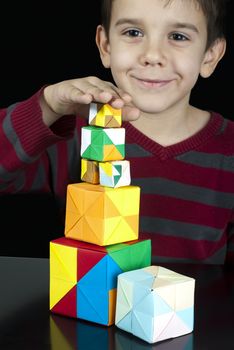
[{"x": 151, "y": 83}]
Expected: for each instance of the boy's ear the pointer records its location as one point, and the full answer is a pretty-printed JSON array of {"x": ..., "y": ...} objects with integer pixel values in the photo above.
[
  {"x": 103, "y": 46},
  {"x": 212, "y": 57}
]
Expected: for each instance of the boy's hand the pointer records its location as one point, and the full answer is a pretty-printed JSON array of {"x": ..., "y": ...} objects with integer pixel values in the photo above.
[{"x": 74, "y": 96}]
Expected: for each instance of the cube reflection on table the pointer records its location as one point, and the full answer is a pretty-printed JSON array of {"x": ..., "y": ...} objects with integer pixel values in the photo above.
[{"x": 70, "y": 334}]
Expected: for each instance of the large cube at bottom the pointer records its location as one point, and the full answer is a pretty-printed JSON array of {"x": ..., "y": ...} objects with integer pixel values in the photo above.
[
  {"x": 83, "y": 276},
  {"x": 155, "y": 303}
]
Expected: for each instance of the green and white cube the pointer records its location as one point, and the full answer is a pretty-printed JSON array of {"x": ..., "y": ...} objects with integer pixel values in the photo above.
[{"x": 102, "y": 144}]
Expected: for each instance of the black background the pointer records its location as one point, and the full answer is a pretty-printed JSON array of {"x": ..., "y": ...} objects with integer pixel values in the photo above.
[{"x": 43, "y": 43}]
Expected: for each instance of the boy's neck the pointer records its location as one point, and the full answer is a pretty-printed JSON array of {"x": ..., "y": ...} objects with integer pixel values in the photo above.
[{"x": 170, "y": 128}]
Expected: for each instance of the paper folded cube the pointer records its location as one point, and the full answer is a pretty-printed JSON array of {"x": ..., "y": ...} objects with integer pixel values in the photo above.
[
  {"x": 83, "y": 276},
  {"x": 115, "y": 174},
  {"x": 90, "y": 171},
  {"x": 104, "y": 115},
  {"x": 155, "y": 303},
  {"x": 102, "y": 215},
  {"x": 102, "y": 144}
]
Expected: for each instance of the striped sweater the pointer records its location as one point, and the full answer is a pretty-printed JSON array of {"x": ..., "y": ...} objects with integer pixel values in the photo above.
[{"x": 187, "y": 189}]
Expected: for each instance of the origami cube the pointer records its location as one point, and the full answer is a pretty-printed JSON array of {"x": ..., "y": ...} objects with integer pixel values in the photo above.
[
  {"x": 155, "y": 303},
  {"x": 115, "y": 174},
  {"x": 102, "y": 144},
  {"x": 102, "y": 215},
  {"x": 90, "y": 171},
  {"x": 83, "y": 276},
  {"x": 104, "y": 115}
]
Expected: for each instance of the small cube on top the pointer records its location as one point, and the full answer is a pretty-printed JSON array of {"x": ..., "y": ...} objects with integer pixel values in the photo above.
[{"x": 104, "y": 115}]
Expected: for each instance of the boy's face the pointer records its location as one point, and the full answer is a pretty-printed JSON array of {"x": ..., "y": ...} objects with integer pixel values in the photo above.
[{"x": 156, "y": 50}]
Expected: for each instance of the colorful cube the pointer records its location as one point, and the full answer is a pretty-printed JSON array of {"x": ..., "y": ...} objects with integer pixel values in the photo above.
[
  {"x": 102, "y": 215},
  {"x": 90, "y": 171},
  {"x": 104, "y": 115},
  {"x": 155, "y": 303},
  {"x": 83, "y": 276},
  {"x": 115, "y": 174},
  {"x": 102, "y": 144}
]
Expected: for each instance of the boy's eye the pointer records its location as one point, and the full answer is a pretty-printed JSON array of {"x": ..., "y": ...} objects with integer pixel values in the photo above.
[
  {"x": 178, "y": 37},
  {"x": 133, "y": 33}
]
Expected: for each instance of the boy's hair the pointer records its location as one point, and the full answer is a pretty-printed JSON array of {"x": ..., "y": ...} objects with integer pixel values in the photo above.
[{"x": 214, "y": 11}]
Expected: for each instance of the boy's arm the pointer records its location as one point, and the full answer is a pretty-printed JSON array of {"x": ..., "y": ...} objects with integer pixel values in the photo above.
[
  {"x": 24, "y": 138},
  {"x": 28, "y": 128}
]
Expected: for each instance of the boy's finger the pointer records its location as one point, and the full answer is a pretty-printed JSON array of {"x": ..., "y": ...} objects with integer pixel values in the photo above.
[
  {"x": 130, "y": 113},
  {"x": 122, "y": 94}
]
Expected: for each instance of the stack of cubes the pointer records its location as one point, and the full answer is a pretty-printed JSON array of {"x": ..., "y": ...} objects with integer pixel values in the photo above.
[
  {"x": 100, "y": 270},
  {"x": 101, "y": 225}
]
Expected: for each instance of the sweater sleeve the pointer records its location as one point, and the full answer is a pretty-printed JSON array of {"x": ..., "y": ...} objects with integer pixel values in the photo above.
[{"x": 24, "y": 139}]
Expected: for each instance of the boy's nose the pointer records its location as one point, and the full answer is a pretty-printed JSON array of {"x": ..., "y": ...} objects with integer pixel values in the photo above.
[{"x": 153, "y": 54}]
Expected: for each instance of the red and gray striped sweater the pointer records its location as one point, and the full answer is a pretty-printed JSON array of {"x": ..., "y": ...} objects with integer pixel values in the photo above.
[{"x": 187, "y": 189}]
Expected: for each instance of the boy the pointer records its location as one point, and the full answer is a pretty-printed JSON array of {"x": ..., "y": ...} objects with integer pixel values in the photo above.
[{"x": 181, "y": 156}]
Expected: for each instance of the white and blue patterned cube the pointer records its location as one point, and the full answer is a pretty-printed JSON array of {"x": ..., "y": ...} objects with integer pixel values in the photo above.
[
  {"x": 114, "y": 174},
  {"x": 155, "y": 303}
]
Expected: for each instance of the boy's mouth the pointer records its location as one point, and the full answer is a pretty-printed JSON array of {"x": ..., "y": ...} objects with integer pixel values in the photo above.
[{"x": 153, "y": 83}]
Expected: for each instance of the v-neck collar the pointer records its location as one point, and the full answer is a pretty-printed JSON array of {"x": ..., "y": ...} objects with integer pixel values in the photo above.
[{"x": 210, "y": 129}]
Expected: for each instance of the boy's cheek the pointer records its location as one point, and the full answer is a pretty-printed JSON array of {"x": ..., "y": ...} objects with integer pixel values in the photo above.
[{"x": 122, "y": 58}]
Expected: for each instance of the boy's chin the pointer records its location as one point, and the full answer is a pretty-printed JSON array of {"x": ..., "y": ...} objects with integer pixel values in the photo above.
[{"x": 150, "y": 107}]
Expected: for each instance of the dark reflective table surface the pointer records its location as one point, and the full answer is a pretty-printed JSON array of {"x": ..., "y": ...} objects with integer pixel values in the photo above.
[{"x": 26, "y": 322}]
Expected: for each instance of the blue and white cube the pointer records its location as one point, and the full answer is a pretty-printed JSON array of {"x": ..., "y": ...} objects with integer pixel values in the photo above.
[
  {"x": 114, "y": 174},
  {"x": 155, "y": 303}
]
